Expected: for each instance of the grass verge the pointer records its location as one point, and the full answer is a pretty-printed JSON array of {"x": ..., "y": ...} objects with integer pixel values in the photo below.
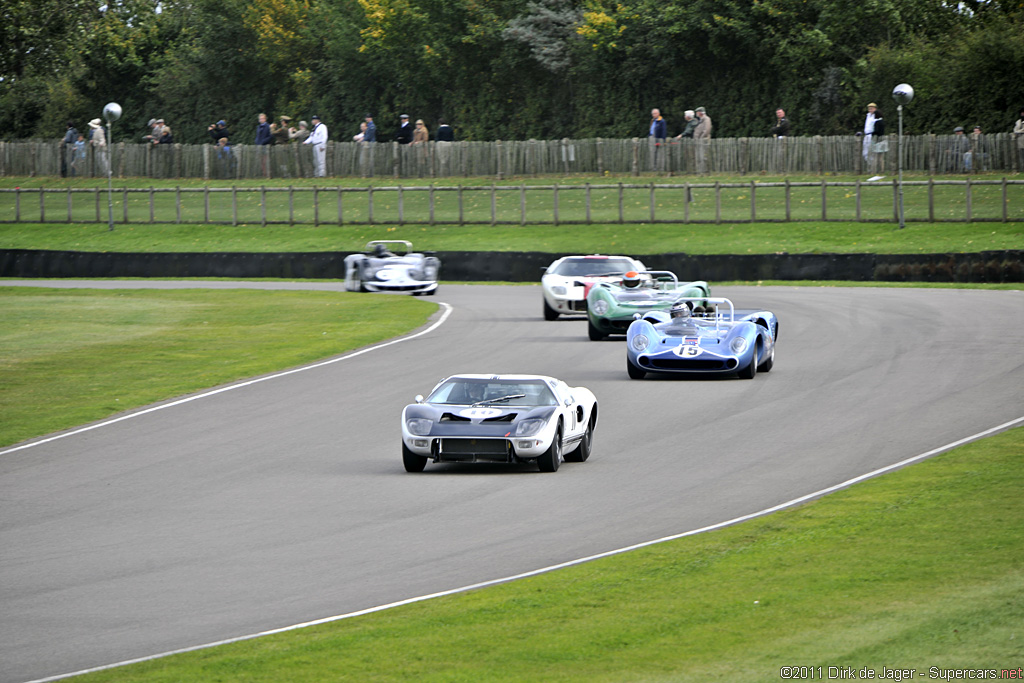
[
  {"x": 922, "y": 569},
  {"x": 68, "y": 357}
]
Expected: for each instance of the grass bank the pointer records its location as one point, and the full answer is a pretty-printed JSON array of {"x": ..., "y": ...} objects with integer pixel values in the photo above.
[
  {"x": 69, "y": 357},
  {"x": 922, "y": 570}
]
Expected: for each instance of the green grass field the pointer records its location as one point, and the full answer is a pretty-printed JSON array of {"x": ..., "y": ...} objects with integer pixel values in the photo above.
[
  {"x": 734, "y": 234},
  {"x": 920, "y": 568},
  {"x": 68, "y": 357}
]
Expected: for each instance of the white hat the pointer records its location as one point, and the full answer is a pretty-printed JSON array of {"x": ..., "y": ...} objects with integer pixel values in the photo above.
[{"x": 95, "y": 123}]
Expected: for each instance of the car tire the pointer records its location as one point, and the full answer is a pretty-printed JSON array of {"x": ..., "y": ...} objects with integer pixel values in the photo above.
[
  {"x": 634, "y": 371},
  {"x": 750, "y": 372},
  {"x": 412, "y": 461},
  {"x": 583, "y": 451},
  {"x": 594, "y": 333},
  {"x": 549, "y": 313},
  {"x": 552, "y": 457},
  {"x": 768, "y": 364}
]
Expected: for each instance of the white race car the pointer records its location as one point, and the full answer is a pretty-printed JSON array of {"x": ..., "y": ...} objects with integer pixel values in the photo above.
[
  {"x": 499, "y": 418},
  {"x": 381, "y": 270},
  {"x": 566, "y": 281}
]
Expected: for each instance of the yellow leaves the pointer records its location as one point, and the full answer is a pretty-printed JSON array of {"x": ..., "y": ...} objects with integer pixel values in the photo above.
[{"x": 278, "y": 24}]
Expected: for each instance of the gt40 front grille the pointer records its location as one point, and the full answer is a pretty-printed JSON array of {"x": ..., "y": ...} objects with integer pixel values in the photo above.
[
  {"x": 689, "y": 363},
  {"x": 495, "y": 450}
]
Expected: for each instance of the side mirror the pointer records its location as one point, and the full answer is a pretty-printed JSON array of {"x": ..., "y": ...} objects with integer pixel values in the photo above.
[
  {"x": 568, "y": 401},
  {"x": 419, "y": 398}
]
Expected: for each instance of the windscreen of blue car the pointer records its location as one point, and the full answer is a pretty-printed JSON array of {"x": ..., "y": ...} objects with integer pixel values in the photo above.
[
  {"x": 582, "y": 267},
  {"x": 464, "y": 391}
]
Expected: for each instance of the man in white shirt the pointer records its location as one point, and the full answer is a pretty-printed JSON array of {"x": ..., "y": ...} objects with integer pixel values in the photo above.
[
  {"x": 869, "y": 129},
  {"x": 318, "y": 138}
]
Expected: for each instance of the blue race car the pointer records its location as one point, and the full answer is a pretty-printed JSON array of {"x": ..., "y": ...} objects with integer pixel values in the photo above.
[{"x": 692, "y": 339}]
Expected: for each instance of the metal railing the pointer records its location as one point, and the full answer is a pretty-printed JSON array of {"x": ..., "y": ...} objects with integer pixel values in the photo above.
[
  {"x": 508, "y": 204},
  {"x": 935, "y": 154}
]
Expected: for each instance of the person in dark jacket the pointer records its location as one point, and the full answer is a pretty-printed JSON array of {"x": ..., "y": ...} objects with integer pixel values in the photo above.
[
  {"x": 218, "y": 130},
  {"x": 67, "y": 147},
  {"x": 781, "y": 127},
  {"x": 444, "y": 132},
  {"x": 263, "y": 134},
  {"x": 657, "y": 133},
  {"x": 370, "y": 134},
  {"x": 404, "y": 134}
]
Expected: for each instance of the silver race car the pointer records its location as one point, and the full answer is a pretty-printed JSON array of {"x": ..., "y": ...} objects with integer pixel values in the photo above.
[
  {"x": 500, "y": 418},
  {"x": 381, "y": 270}
]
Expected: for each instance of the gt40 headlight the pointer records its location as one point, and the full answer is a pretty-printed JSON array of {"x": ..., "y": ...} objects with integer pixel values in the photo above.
[
  {"x": 418, "y": 426},
  {"x": 738, "y": 345},
  {"x": 559, "y": 290},
  {"x": 530, "y": 427},
  {"x": 639, "y": 342},
  {"x": 600, "y": 307}
]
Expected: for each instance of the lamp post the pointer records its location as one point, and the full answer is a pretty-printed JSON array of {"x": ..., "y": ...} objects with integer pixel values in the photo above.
[
  {"x": 903, "y": 94},
  {"x": 111, "y": 112}
]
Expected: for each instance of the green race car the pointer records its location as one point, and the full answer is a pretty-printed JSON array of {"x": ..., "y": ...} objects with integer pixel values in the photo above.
[{"x": 611, "y": 306}]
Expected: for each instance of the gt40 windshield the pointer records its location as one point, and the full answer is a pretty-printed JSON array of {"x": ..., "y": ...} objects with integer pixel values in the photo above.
[
  {"x": 582, "y": 267},
  {"x": 460, "y": 391}
]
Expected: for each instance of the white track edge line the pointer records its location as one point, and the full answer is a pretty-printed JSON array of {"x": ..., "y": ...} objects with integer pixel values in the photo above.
[
  {"x": 230, "y": 387},
  {"x": 545, "y": 570}
]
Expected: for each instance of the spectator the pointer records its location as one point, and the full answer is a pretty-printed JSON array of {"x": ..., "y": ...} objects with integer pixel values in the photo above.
[
  {"x": 361, "y": 135},
  {"x": 218, "y": 130},
  {"x": 300, "y": 134},
  {"x": 959, "y": 147},
  {"x": 78, "y": 155},
  {"x": 318, "y": 139},
  {"x": 420, "y": 135},
  {"x": 978, "y": 152},
  {"x": 657, "y": 134},
  {"x": 155, "y": 126},
  {"x": 225, "y": 158},
  {"x": 702, "y": 136},
  {"x": 781, "y": 127},
  {"x": 279, "y": 131},
  {"x": 444, "y": 132},
  {"x": 371, "y": 130},
  {"x": 404, "y": 134},
  {"x": 873, "y": 125},
  {"x": 67, "y": 148},
  {"x": 1018, "y": 132},
  {"x": 98, "y": 140},
  {"x": 263, "y": 134},
  {"x": 691, "y": 124}
]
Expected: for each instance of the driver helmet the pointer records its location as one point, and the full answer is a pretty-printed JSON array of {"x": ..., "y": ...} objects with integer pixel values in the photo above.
[
  {"x": 380, "y": 250},
  {"x": 475, "y": 391},
  {"x": 631, "y": 279},
  {"x": 680, "y": 310}
]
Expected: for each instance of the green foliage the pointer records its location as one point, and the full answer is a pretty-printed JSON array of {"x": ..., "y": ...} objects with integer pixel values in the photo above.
[{"x": 507, "y": 69}]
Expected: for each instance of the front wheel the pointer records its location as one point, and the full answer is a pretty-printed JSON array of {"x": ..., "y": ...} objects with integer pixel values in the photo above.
[
  {"x": 552, "y": 457},
  {"x": 750, "y": 371},
  {"x": 769, "y": 363},
  {"x": 412, "y": 461},
  {"x": 594, "y": 333},
  {"x": 549, "y": 313},
  {"x": 634, "y": 371}
]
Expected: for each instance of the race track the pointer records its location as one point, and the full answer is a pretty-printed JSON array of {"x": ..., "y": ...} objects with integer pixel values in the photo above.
[{"x": 285, "y": 501}]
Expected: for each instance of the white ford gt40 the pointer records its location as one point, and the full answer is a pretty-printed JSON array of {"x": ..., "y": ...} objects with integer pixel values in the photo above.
[
  {"x": 500, "y": 418},
  {"x": 567, "y": 280}
]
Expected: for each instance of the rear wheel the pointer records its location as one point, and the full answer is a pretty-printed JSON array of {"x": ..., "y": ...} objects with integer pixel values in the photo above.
[
  {"x": 582, "y": 451},
  {"x": 552, "y": 457},
  {"x": 412, "y": 461},
  {"x": 549, "y": 313},
  {"x": 634, "y": 371},
  {"x": 594, "y": 333}
]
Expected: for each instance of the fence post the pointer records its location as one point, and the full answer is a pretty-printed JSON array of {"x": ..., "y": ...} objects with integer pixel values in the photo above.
[
  {"x": 824, "y": 200},
  {"x": 931, "y": 200},
  {"x": 234, "y": 205},
  {"x": 459, "y": 193},
  {"x": 744, "y": 155},
  {"x": 522, "y": 203},
  {"x": 555, "y": 202},
  {"x": 620, "y": 203},
  {"x": 69, "y": 206},
  {"x": 636, "y": 157},
  {"x": 263, "y": 206},
  {"x": 206, "y": 162},
  {"x": 316, "y": 207},
  {"x": 789, "y": 197},
  {"x": 565, "y": 155},
  {"x": 857, "y": 191},
  {"x": 42, "y": 206},
  {"x": 96, "y": 196},
  {"x": 206, "y": 201},
  {"x": 369, "y": 202},
  {"x": 895, "y": 201},
  {"x": 651, "y": 201},
  {"x": 969, "y": 197},
  {"x": 819, "y": 147},
  {"x": 291, "y": 205},
  {"x": 931, "y": 154},
  {"x": 753, "y": 202},
  {"x": 686, "y": 201},
  {"x": 124, "y": 205},
  {"x": 1005, "y": 217},
  {"x": 588, "y": 199},
  {"x": 401, "y": 206},
  {"x": 394, "y": 159},
  {"x": 17, "y": 205},
  {"x": 600, "y": 157},
  {"x": 494, "y": 206},
  {"x": 340, "y": 207},
  {"x": 177, "y": 202},
  {"x": 431, "y": 197},
  {"x": 718, "y": 202}
]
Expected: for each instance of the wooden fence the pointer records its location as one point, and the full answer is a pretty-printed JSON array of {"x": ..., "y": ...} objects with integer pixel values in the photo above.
[
  {"x": 935, "y": 154},
  {"x": 925, "y": 201}
]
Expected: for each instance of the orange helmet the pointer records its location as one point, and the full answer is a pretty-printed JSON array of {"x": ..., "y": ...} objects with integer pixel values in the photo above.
[{"x": 631, "y": 279}]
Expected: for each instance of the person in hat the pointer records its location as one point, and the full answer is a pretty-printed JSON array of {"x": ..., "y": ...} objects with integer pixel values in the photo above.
[
  {"x": 370, "y": 134},
  {"x": 299, "y": 134},
  {"x": 218, "y": 130},
  {"x": 404, "y": 134},
  {"x": 98, "y": 141},
  {"x": 318, "y": 139},
  {"x": 957, "y": 156},
  {"x": 421, "y": 134},
  {"x": 872, "y": 126},
  {"x": 279, "y": 130},
  {"x": 702, "y": 138}
]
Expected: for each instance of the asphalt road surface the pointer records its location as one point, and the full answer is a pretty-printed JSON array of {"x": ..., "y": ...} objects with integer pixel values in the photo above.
[{"x": 286, "y": 501}]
